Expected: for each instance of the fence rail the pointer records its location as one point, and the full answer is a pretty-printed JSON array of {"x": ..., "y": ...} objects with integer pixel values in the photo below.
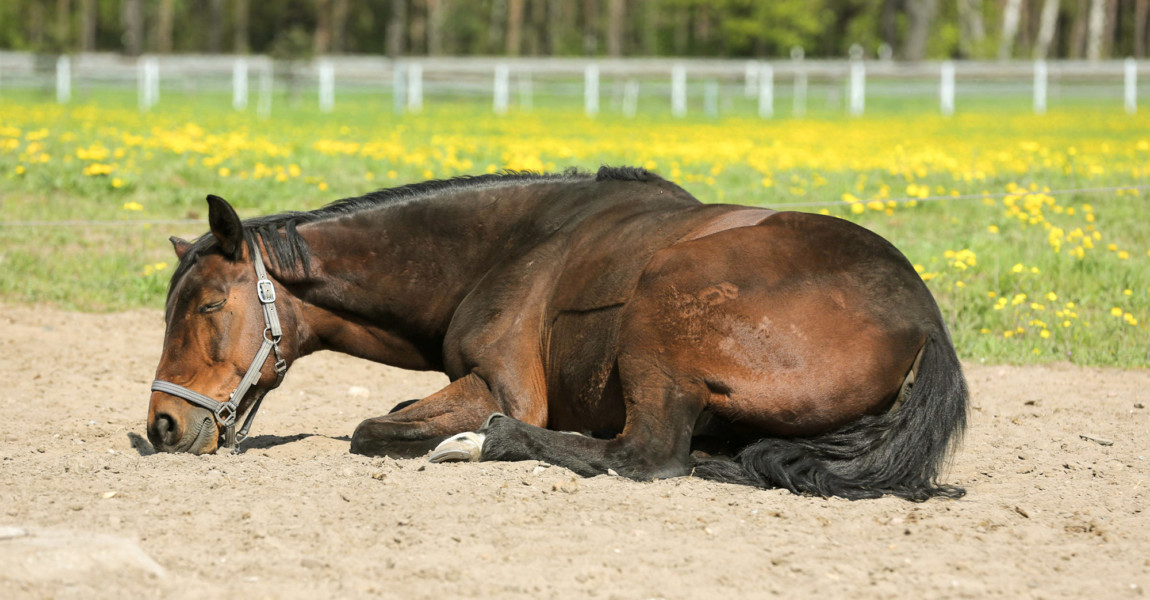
[{"x": 678, "y": 85}]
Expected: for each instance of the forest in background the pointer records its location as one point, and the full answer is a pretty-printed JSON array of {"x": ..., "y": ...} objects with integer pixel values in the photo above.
[{"x": 902, "y": 29}]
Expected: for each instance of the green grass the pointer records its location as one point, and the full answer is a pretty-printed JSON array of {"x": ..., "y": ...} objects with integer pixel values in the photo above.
[{"x": 172, "y": 157}]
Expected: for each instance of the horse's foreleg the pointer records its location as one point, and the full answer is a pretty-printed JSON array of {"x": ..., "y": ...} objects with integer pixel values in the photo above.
[
  {"x": 655, "y": 442},
  {"x": 417, "y": 427}
]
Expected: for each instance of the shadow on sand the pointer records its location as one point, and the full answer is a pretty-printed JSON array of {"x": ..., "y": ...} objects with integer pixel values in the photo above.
[{"x": 144, "y": 447}]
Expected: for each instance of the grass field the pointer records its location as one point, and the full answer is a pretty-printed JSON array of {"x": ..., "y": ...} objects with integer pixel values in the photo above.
[{"x": 1023, "y": 272}]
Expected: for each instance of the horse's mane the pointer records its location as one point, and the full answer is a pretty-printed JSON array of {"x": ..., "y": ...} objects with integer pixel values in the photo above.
[{"x": 287, "y": 250}]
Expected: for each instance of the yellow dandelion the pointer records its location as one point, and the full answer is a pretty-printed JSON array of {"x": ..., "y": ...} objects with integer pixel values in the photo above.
[
  {"x": 1052, "y": 297},
  {"x": 992, "y": 229},
  {"x": 133, "y": 205},
  {"x": 1045, "y": 333},
  {"x": 1117, "y": 312}
]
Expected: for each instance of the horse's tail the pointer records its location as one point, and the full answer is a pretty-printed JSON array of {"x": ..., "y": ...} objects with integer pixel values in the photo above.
[{"x": 900, "y": 452}]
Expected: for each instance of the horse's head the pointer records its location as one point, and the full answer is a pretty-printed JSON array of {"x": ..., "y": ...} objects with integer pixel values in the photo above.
[{"x": 222, "y": 339}]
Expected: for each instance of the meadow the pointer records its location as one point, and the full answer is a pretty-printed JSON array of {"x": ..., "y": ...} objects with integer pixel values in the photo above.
[{"x": 1024, "y": 271}]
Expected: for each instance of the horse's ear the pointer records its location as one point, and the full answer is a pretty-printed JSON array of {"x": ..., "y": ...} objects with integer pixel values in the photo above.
[
  {"x": 181, "y": 246},
  {"x": 226, "y": 226}
]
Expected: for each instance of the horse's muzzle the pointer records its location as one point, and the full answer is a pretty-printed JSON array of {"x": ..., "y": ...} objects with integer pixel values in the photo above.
[{"x": 194, "y": 435}]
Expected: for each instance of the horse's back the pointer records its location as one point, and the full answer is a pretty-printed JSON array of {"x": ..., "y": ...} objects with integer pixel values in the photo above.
[{"x": 794, "y": 325}]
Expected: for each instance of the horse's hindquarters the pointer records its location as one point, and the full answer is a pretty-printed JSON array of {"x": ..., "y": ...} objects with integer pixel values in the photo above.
[{"x": 785, "y": 323}]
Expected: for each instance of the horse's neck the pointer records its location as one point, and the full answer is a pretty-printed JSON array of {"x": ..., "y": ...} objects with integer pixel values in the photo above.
[{"x": 388, "y": 280}]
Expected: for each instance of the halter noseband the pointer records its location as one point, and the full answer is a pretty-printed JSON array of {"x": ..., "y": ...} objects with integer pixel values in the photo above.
[{"x": 227, "y": 412}]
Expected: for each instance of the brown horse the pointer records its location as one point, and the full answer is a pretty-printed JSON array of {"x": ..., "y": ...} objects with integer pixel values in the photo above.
[{"x": 667, "y": 332}]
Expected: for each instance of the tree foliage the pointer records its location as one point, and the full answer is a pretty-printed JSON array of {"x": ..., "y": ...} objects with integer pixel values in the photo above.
[{"x": 706, "y": 28}]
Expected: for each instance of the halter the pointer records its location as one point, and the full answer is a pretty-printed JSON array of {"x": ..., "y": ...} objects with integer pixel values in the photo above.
[{"x": 226, "y": 412}]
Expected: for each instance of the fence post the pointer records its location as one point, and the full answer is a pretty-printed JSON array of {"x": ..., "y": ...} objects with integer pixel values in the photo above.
[
  {"x": 751, "y": 78},
  {"x": 526, "y": 91},
  {"x": 679, "y": 90},
  {"x": 631, "y": 98},
  {"x": 1039, "y": 87},
  {"x": 502, "y": 93},
  {"x": 398, "y": 85},
  {"x": 946, "y": 88},
  {"x": 264, "y": 109},
  {"x": 1131, "y": 68},
  {"x": 591, "y": 90},
  {"x": 766, "y": 91},
  {"x": 857, "y": 81},
  {"x": 326, "y": 86},
  {"x": 415, "y": 87},
  {"x": 64, "y": 79},
  {"x": 148, "y": 72},
  {"x": 240, "y": 84},
  {"x": 711, "y": 98},
  {"x": 799, "y": 106}
]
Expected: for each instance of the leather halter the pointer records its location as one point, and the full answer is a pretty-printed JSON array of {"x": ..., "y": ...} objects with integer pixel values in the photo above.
[{"x": 227, "y": 412}]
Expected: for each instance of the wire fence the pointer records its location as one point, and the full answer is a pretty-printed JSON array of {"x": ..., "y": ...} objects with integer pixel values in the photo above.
[{"x": 768, "y": 88}]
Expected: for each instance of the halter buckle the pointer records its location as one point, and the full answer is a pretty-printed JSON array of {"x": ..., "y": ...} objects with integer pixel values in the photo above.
[
  {"x": 266, "y": 291},
  {"x": 226, "y": 413}
]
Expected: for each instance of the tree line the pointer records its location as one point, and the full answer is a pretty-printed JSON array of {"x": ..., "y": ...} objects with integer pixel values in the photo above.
[{"x": 904, "y": 29}]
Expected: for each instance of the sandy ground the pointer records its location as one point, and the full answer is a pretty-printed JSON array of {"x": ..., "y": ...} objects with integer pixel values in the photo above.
[{"x": 86, "y": 510}]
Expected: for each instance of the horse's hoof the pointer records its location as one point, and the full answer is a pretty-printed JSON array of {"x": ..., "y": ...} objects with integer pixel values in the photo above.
[{"x": 465, "y": 447}]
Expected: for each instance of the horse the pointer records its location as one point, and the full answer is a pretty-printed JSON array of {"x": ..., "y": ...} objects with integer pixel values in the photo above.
[{"x": 606, "y": 322}]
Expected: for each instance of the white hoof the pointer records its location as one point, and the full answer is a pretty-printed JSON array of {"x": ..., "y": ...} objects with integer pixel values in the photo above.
[{"x": 465, "y": 447}]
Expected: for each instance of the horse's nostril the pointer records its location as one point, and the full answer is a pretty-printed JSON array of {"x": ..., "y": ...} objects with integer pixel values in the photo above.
[{"x": 164, "y": 430}]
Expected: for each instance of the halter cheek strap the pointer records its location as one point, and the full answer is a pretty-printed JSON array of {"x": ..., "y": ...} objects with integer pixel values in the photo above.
[{"x": 227, "y": 412}]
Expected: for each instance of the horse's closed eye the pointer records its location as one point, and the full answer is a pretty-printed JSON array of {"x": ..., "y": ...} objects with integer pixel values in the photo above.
[{"x": 213, "y": 307}]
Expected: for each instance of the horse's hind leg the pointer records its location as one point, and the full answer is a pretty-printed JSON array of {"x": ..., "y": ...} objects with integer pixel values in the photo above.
[{"x": 655, "y": 442}]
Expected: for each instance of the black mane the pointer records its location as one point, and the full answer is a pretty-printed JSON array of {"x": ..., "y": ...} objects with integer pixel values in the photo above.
[{"x": 288, "y": 252}]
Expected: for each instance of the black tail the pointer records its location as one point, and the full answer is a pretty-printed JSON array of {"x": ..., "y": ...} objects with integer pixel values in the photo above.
[{"x": 898, "y": 453}]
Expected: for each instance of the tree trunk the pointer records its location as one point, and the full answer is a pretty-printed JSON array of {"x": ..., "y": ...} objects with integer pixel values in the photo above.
[
  {"x": 132, "y": 20},
  {"x": 88, "y": 25},
  {"x": 1096, "y": 27},
  {"x": 536, "y": 32},
  {"x": 887, "y": 22},
  {"x": 1141, "y": 15},
  {"x": 215, "y": 26},
  {"x": 321, "y": 39},
  {"x": 920, "y": 17},
  {"x": 514, "y": 27},
  {"x": 971, "y": 28},
  {"x": 435, "y": 15},
  {"x": 163, "y": 30},
  {"x": 1110, "y": 28},
  {"x": 615, "y": 21},
  {"x": 240, "y": 33},
  {"x": 64, "y": 24},
  {"x": 650, "y": 28},
  {"x": 1011, "y": 15},
  {"x": 1078, "y": 30},
  {"x": 557, "y": 21},
  {"x": 495, "y": 40},
  {"x": 396, "y": 28},
  {"x": 417, "y": 27},
  {"x": 590, "y": 27},
  {"x": 1046, "y": 29}
]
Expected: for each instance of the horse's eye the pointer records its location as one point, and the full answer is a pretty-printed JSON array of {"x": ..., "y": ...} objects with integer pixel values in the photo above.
[{"x": 213, "y": 307}]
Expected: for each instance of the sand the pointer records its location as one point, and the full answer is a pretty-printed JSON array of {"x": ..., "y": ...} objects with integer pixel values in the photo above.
[{"x": 1055, "y": 465}]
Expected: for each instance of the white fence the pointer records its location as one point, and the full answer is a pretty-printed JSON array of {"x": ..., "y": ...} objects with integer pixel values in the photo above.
[{"x": 631, "y": 86}]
